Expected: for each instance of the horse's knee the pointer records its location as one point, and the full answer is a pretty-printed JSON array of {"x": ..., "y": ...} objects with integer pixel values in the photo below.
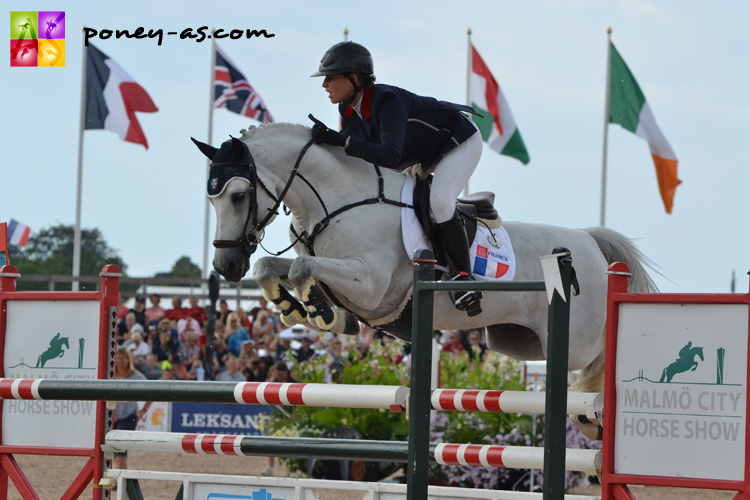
[
  {"x": 264, "y": 271},
  {"x": 301, "y": 271}
]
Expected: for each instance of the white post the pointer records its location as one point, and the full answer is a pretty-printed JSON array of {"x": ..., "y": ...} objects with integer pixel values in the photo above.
[
  {"x": 79, "y": 180},
  {"x": 468, "y": 86},
  {"x": 208, "y": 168},
  {"x": 606, "y": 128}
]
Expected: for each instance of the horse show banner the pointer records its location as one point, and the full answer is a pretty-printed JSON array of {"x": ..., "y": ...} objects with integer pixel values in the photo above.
[
  {"x": 681, "y": 381},
  {"x": 62, "y": 343}
]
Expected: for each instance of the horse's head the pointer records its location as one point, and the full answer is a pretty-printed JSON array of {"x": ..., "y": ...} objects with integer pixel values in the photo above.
[
  {"x": 233, "y": 189},
  {"x": 699, "y": 352}
]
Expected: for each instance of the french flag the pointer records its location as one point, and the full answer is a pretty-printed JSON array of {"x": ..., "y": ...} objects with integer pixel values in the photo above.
[
  {"x": 113, "y": 97},
  {"x": 18, "y": 234},
  {"x": 486, "y": 266}
]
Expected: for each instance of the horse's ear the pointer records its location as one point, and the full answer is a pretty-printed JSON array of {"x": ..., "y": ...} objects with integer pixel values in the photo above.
[
  {"x": 238, "y": 149},
  {"x": 207, "y": 150}
]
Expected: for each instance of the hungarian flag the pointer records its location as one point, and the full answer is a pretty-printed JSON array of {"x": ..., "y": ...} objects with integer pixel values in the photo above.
[
  {"x": 496, "y": 124},
  {"x": 113, "y": 97},
  {"x": 628, "y": 107},
  {"x": 18, "y": 234},
  {"x": 232, "y": 91}
]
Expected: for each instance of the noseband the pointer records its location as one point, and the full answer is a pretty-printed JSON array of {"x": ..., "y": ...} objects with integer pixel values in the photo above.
[{"x": 245, "y": 168}]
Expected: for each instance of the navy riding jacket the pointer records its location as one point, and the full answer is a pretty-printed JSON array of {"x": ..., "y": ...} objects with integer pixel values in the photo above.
[{"x": 398, "y": 128}]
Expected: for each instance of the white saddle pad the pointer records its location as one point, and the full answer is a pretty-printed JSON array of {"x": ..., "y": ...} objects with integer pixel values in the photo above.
[{"x": 492, "y": 256}]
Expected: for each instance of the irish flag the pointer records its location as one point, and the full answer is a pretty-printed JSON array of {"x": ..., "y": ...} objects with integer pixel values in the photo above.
[
  {"x": 628, "y": 107},
  {"x": 496, "y": 124}
]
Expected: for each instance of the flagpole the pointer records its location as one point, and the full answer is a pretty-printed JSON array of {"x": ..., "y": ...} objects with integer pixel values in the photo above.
[
  {"x": 79, "y": 180},
  {"x": 208, "y": 162},
  {"x": 468, "y": 86},
  {"x": 606, "y": 128},
  {"x": 346, "y": 34}
]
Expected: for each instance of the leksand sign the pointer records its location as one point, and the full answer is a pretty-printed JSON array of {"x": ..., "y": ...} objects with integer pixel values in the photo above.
[{"x": 682, "y": 390}]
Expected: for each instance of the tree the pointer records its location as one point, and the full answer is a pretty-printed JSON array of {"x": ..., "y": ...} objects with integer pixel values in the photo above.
[
  {"x": 50, "y": 251},
  {"x": 182, "y": 268}
]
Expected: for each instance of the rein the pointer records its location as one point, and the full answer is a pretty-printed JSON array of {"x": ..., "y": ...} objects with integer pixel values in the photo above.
[{"x": 249, "y": 242}]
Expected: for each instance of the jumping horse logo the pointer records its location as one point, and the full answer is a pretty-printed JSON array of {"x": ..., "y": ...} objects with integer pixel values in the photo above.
[
  {"x": 55, "y": 350},
  {"x": 685, "y": 362}
]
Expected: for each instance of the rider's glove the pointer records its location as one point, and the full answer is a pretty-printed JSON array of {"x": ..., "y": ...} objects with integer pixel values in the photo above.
[{"x": 323, "y": 134}]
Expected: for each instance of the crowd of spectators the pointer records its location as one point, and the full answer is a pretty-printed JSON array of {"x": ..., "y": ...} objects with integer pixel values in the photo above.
[{"x": 171, "y": 344}]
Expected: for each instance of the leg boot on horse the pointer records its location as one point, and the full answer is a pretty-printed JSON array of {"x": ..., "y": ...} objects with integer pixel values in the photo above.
[{"x": 454, "y": 241}]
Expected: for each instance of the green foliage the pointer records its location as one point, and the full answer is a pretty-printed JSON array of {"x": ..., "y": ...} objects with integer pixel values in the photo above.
[
  {"x": 182, "y": 268},
  {"x": 50, "y": 251},
  {"x": 375, "y": 369}
]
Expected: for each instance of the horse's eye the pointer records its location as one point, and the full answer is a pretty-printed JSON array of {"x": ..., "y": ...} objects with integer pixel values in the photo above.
[{"x": 238, "y": 197}]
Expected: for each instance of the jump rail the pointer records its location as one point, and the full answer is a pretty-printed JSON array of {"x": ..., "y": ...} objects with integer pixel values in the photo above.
[
  {"x": 513, "y": 457},
  {"x": 290, "y": 394}
]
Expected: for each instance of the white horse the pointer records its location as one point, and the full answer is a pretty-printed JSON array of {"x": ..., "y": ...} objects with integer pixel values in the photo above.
[{"x": 356, "y": 266}]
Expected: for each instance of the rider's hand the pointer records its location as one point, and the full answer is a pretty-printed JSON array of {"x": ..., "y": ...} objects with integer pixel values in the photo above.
[{"x": 323, "y": 134}]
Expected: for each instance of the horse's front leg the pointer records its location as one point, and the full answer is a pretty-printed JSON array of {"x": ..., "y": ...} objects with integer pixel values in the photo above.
[
  {"x": 270, "y": 273},
  {"x": 353, "y": 278}
]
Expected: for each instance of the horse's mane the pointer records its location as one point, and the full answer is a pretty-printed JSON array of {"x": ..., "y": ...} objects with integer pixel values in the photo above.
[{"x": 261, "y": 130}]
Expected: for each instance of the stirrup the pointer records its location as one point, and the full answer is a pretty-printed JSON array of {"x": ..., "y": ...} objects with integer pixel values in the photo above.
[{"x": 469, "y": 301}]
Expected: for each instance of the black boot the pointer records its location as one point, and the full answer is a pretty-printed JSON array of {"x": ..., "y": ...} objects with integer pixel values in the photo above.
[{"x": 455, "y": 243}]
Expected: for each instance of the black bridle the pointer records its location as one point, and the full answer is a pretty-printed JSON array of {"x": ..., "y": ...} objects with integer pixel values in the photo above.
[{"x": 246, "y": 169}]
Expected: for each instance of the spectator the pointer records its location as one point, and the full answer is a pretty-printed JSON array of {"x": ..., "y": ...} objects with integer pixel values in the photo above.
[
  {"x": 454, "y": 345},
  {"x": 477, "y": 348},
  {"x": 243, "y": 319},
  {"x": 263, "y": 328},
  {"x": 249, "y": 352},
  {"x": 261, "y": 366},
  {"x": 126, "y": 413},
  {"x": 306, "y": 352},
  {"x": 165, "y": 325},
  {"x": 131, "y": 327},
  {"x": 196, "y": 311},
  {"x": 166, "y": 348},
  {"x": 138, "y": 349},
  {"x": 189, "y": 351},
  {"x": 281, "y": 374},
  {"x": 235, "y": 335},
  {"x": 152, "y": 370},
  {"x": 155, "y": 312},
  {"x": 365, "y": 336},
  {"x": 197, "y": 372},
  {"x": 177, "y": 312},
  {"x": 152, "y": 335},
  {"x": 280, "y": 344},
  {"x": 140, "y": 311},
  {"x": 186, "y": 325},
  {"x": 271, "y": 316},
  {"x": 179, "y": 370},
  {"x": 220, "y": 355},
  {"x": 232, "y": 373},
  {"x": 223, "y": 312},
  {"x": 122, "y": 309},
  {"x": 334, "y": 361}
]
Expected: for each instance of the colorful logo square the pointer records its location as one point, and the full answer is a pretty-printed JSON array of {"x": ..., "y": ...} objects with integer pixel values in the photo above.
[{"x": 37, "y": 38}]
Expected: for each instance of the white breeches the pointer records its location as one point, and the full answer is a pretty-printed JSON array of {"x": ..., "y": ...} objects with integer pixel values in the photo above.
[{"x": 451, "y": 175}]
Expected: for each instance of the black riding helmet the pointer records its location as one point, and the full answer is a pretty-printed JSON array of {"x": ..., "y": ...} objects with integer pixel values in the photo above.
[{"x": 347, "y": 58}]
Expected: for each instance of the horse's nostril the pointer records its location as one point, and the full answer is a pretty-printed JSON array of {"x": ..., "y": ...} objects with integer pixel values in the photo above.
[{"x": 231, "y": 268}]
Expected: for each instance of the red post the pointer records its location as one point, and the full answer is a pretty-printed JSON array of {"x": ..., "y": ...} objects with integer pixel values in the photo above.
[
  {"x": 617, "y": 283},
  {"x": 109, "y": 291},
  {"x": 8, "y": 275}
]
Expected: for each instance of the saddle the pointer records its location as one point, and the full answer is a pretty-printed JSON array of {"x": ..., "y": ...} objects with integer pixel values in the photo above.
[{"x": 472, "y": 207}]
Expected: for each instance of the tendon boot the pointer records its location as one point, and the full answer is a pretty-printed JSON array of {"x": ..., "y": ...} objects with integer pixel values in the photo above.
[{"x": 455, "y": 243}]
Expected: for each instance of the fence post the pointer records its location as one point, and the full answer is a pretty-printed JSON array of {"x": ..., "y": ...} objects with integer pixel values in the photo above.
[
  {"x": 555, "y": 419},
  {"x": 8, "y": 275},
  {"x": 418, "y": 471}
]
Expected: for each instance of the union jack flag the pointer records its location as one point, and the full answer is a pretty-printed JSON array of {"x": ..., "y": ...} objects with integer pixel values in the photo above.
[{"x": 232, "y": 91}]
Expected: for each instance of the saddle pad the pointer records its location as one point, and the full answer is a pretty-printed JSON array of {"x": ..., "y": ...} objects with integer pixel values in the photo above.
[{"x": 492, "y": 256}]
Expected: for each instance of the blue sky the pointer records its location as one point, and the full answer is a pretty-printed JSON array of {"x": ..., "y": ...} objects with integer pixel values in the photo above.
[{"x": 690, "y": 59}]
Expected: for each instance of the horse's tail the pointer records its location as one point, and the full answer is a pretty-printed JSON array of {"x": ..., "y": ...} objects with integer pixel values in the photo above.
[
  {"x": 616, "y": 248},
  {"x": 663, "y": 375}
]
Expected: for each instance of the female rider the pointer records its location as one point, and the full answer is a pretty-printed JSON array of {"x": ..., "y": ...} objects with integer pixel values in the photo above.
[{"x": 394, "y": 128}]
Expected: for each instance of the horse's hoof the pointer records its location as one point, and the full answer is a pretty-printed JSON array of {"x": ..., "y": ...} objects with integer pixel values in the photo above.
[
  {"x": 317, "y": 308},
  {"x": 292, "y": 312}
]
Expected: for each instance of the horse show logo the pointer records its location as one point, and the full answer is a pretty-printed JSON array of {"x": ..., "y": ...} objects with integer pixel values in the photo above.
[
  {"x": 37, "y": 38},
  {"x": 688, "y": 359},
  {"x": 58, "y": 347}
]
